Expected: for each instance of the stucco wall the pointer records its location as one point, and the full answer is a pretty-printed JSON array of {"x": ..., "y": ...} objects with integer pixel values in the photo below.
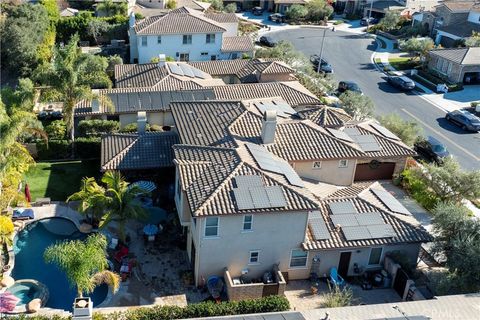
[
  {"x": 474, "y": 17},
  {"x": 172, "y": 44},
  {"x": 329, "y": 172},
  {"x": 231, "y": 29},
  {"x": 127, "y": 118},
  {"x": 161, "y": 118}
]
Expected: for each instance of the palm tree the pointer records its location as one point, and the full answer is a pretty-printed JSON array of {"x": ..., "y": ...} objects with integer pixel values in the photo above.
[
  {"x": 121, "y": 203},
  {"x": 92, "y": 199},
  {"x": 84, "y": 263}
]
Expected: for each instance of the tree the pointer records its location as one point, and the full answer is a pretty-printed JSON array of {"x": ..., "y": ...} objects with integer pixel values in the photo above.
[
  {"x": 96, "y": 27},
  {"x": 390, "y": 21},
  {"x": 92, "y": 200},
  {"x": 21, "y": 33},
  {"x": 417, "y": 46},
  {"x": 171, "y": 4},
  {"x": 473, "y": 40},
  {"x": 296, "y": 12},
  {"x": 318, "y": 10},
  {"x": 110, "y": 8},
  {"x": 84, "y": 263},
  {"x": 6, "y": 231},
  {"x": 230, "y": 8},
  {"x": 121, "y": 205},
  {"x": 21, "y": 98},
  {"x": 449, "y": 181},
  {"x": 56, "y": 130},
  {"x": 112, "y": 62},
  {"x": 360, "y": 107},
  {"x": 407, "y": 131},
  {"x": 457, "y": 238},
  {"x": 216, "y": 4}
]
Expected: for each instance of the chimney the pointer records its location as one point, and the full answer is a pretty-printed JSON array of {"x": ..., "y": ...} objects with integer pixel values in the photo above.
[
  {"x": 269, "y": 126},
  {"x": 95, "y": 104},
  {"x": 161, "y": 60},
  {"x": 131, "y": 20},
  {"x": 141, "y": 122}
]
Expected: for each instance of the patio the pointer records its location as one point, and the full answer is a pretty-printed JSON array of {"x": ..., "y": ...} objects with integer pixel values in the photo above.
[{"x": 299, "y": 294}]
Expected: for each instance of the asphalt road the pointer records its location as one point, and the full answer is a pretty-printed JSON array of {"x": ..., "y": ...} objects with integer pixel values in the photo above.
[{"x": 350, "y": 56}]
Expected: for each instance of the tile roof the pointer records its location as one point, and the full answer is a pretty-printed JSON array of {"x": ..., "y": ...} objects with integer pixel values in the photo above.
[
  {"x": 207, "y": 177},
  {"x": 197, "y": 5},
  {"x": 237, "y": 44},
  {"x": 464, "y": 6},
  {"x": 134, "y": 151},
  {"x": 222, "y": 17},
  {"x": 326, "y": 116},
  {"x": 462, "y": 29},
  {"x": 406, "y": 229},
  {"x": 464, "y": 56},
  {"x": 178, "y": 21}
]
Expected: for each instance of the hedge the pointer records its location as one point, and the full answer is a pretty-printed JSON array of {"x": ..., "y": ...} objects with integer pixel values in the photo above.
[
  {"x": 198, "y": 310},
  {"x": 97, "y": 127},
  {"x": 56, "y": 149},
  {"x": 88, "y": 148}
]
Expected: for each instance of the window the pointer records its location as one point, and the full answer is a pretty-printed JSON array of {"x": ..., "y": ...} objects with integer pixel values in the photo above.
[
  {"x": 254, "y": 257},
  {"x": 159, "y": 39},
  {"x": 343, "y": 163},
  {"x": 184, "y": 56},
  {"x": 211, "y": 227},
  {"x": 211, "y": 38},
  {"x": 204, "y": 54},
  {"x": 375, "y": 255},
  {"x": 144, "y": 41},
  {"x": 179, "y": 188},
  {"x": 213, "y": 58},
  {"x": 317, "y": 165},
  {"x": 247, "y": 222},
  {"x": 234, "y": 55},
  {"x": 298, "y": 258},
  {"x": 187, "y": 39}
]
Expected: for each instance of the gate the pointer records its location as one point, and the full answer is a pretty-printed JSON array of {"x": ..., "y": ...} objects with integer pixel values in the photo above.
[{"x": 400, "y": 282}]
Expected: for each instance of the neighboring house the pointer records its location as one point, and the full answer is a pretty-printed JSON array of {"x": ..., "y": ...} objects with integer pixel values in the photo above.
[
  {"x": 68, "y": 12},
  {"x": 282, "y": 6},
  {"x": 187, "y": 35},
  {"x": 458, "y": 65},
  {"x": 161, "y": 4},
  {"x": 379, "y": 8},
  {"x": 457, "y": 26}
]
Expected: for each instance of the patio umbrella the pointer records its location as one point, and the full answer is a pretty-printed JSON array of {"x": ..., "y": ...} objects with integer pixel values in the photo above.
[
  {"x": 28, "y": 197},
  {"x": 8, "y": 302},
  {"x": 147, "y": 186},
  {"x": 150, "y": 229}
]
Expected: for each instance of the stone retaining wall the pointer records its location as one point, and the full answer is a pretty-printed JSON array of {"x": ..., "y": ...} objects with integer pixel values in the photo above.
[{"x": 237, "y": 292}]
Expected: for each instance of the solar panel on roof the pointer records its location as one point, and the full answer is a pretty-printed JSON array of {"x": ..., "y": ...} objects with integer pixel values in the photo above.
[
  {"x": 345, "y": 207},
  {"x": 285, "y": 107},
  {"x": 352, "y": 131},
  {"x": 199, "y": 73},
  {"x": 259, "y": 196},
  {"x": 340, "y": 135},
  {"x": 369, "y": 218},
  {"x": 384, "y": 131},
  {"x": 381, "y": 231},
  {"x": 390, "y": 202},
  {"x": 175, "y": 69},
  {"x": 276, "y": 197},
  {"x": 290, "y": 174},
  {"x": 243, "y": 199},
  {"x": 187, "y": 71},
  {"x": 367, "y": 142},
  {"x": 356, "y": 233},
  {"x": 344, "y": 220},
  {"x": 318, "y": 226},
  {"x": 248, "y": 181}
]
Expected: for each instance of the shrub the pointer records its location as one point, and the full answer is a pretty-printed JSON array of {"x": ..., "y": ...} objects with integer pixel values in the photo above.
[
  {"x": 230, "y": 8},
  {"x": 97, "y": 127},
  {"x": 318, "y": 10},
  {"x": 88, "y": 148},
  {"x": 418, "y": 189},
  {"x": 56, "y": 130},
  {"x": 338, "y": 297},
  {"x": 171, "y": 4},
  {"x": 55, "y": 149},
  {"x": 296, "y": 12},
  {"x": 132, "y": 127},
  {"x": 155, "y": 127}
]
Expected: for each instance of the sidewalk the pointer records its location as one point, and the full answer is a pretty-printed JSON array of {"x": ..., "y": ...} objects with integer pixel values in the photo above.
[{"x": 449, "y": 101}]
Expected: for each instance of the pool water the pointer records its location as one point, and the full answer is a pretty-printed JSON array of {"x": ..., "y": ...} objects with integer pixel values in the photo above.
[
  {"x": 29, "y": 246},
  {"x": 23, "y": 292}
]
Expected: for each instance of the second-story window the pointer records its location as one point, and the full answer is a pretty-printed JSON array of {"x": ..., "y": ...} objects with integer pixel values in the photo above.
[
  {"x": 211, "y": 38},
  {"x": 247, "y": 222},
  {"x": 159, "y": 39},
  {"x": 317, "y": 165},
  {"x": 144, "y": 41},
  {"x": 211, "y": 227},
  {"x": 187, "y": 39},
  {"x": 254, "y": 257},
  {"x": 343, "y": 163}
]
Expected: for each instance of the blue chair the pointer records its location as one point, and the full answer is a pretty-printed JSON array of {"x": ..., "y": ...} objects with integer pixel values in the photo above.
[{"x": 335, "y": 278}]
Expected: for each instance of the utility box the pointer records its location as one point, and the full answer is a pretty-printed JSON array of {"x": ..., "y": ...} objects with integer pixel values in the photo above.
[{"x": 82, "y": 309}]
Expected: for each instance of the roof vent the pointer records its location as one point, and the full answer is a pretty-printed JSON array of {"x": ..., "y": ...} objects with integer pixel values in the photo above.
[
  {"x": 161, "y": 60},
  {"x": 141, "y": 122},
  {"x": 269, "y": 126}
]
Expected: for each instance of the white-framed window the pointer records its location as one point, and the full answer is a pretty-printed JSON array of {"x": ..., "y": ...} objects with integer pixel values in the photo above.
[
  {"x": 144, "y": 41},
  {"x": 210, "y": 38},
  {"x": 449, "y": 70},
  {"x": 211, "y": 226},
  {"x": 184, "y": 56},
  {"x": 204, "y": 53},
  {"x": 343, "y": 163},
  {"x": 317, "y": 165},
  {"x": 159, "y": 39},
  {"x": 247, "y": 222},
  {"x": 254, "y": 257},
  {"x": 298, "y": 258},
  {"x": 187, "y": 39},
  {"x": 375, "y": 256}
]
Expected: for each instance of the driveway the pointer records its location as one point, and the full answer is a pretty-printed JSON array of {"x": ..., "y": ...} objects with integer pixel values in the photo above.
[{"x": 350, "y": 54}]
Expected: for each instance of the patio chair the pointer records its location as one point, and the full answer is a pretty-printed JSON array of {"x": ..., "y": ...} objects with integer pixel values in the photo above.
[
  {"x": 120, "y": 254},
  {"x": 23, "y": 214},
  {"x": 335, "y": 278}
]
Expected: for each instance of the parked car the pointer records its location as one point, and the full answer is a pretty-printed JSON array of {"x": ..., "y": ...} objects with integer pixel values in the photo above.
[
  {"x": 348, "y": 86},
  {"x": 401, "y": 82},
  {"x": 368, "y": 21},
  {"x": 431, "y": 149},
  {"x": 257, "y": 11},
  {"x": 324, "y": 65},
  {"x": 277, "y": 17},
  {"x": 267, "y": 41},
  {"x": 464, "y": 119}
]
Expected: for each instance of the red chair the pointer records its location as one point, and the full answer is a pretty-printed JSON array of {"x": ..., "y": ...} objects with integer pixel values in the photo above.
[{"x": 120, "y": 254}]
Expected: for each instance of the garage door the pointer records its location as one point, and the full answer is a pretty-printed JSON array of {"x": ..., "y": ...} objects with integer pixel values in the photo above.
[{"x": 374, "y": 171}]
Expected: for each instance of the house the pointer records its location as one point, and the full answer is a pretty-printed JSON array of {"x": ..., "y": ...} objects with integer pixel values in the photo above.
[
  {"x": 68, "y": 12},
  {"x": 185, "y": 34},
  {"x": 458, "y": 65},
  {"x": 456, "y": 22}
]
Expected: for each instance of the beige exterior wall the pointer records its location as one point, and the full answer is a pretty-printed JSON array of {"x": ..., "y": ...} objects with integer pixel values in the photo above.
[
  {"x": 231, "y": 28},
  {"x": 161, "y": 118},
  {"x": 328, "y": 173},
  {"x": 276, "y": 77},
  {"x": 127, "y": 118}
]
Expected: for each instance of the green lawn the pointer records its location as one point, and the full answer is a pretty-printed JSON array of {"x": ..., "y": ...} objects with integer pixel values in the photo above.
[
  {"x": 402, "y": 63},
  {"x": 58, "y": 180}
]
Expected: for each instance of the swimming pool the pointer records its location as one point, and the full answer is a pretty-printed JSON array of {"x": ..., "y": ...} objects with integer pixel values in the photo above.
[{"x": 29, "y": 246}]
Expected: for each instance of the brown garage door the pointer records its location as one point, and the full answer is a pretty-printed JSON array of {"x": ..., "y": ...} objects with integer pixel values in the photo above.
[{"x": 374, "y": 171}]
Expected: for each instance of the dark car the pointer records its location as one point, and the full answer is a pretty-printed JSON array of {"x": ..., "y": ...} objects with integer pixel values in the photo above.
[
  {"x": 257, "y": 11},
  {"x": 466, "y": 120},
  {"x": 348, "y": 86},
  {"x": 324, "y": 65},
  {"x": 368, "y": 21},
  {"x": 267, "y": 41},
  {"x": 432, "y": 149},
  {"x": 404, "y": 83},
  {"x": 277, "y": 17}
]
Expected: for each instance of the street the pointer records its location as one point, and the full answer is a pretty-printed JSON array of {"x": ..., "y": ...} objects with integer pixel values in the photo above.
[{"x": 350, "y": 56}]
